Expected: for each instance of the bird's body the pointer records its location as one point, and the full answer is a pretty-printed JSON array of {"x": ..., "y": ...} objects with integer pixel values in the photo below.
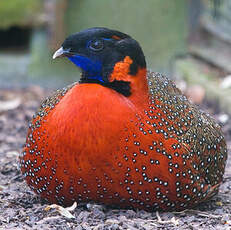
[{"x": 143, "y": 146}]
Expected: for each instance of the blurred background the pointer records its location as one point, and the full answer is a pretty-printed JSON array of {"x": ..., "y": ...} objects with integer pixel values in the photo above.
[{"x": 189, "y": 40}]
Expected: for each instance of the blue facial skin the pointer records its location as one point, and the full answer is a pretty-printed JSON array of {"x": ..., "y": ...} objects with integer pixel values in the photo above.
[{"x": 92, "y": 68}]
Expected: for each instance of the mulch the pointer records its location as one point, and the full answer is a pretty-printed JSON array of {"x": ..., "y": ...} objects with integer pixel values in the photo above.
[{"x": 20, "y": 208}]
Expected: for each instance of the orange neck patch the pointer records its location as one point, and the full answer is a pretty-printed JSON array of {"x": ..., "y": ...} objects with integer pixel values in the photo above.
[
  {"x": 138, "y": 82},
  {"x": 121, "y": 70}
]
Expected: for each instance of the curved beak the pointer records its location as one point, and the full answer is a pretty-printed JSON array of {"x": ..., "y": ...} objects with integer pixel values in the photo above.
[{"x": 61, "y": 53}]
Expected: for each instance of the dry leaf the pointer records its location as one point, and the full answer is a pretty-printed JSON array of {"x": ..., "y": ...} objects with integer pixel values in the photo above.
[{"x": 63, "y": 211}]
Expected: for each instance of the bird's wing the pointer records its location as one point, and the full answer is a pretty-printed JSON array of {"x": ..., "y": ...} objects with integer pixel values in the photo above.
[
  {"x": 48, "y": 104},
  {"x": 198, "y": 132}
]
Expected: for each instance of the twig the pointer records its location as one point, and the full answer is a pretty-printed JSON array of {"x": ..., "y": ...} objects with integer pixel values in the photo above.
[{"x": 199, "y": 213}]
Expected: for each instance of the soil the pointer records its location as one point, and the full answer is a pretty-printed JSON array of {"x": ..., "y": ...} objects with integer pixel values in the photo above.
[{"x": 20, "y": 208}]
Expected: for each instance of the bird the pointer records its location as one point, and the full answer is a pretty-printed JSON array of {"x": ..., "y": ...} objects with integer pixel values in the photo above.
[{"x": 122, "y": 136}]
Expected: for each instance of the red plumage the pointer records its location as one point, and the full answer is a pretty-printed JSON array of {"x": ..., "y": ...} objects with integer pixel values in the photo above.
[{"x": 151, "y": 150}]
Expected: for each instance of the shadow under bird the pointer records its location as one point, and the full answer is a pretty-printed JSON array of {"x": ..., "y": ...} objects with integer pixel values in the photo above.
[{"x": 121, "y": 135}]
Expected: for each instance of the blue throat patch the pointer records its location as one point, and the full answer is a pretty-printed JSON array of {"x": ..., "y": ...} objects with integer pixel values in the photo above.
[{"x": 93, "y": 69}]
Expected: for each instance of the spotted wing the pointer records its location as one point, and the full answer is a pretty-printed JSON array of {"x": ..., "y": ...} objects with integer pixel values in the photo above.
[{"x": 198, "y": 133}]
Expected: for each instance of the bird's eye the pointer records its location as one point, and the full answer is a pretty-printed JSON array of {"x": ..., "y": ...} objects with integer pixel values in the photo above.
[{"x": 96, "y": 45}]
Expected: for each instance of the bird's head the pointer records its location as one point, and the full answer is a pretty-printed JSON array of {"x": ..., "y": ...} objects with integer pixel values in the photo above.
[{"x": 107, "y": 57}]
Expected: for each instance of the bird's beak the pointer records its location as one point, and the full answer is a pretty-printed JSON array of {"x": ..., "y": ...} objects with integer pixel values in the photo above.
[{"x": 61, "y": 53}]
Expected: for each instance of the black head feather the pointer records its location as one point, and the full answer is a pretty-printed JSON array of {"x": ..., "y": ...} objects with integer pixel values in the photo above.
[{"x": 97, "y": 50}]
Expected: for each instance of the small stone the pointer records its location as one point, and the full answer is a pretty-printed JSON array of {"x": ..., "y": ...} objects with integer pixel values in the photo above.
[
  {"x": 115, "y": 227},
  {"x": 226, "y": 83},
  {"x": 223, "y": 118}
]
